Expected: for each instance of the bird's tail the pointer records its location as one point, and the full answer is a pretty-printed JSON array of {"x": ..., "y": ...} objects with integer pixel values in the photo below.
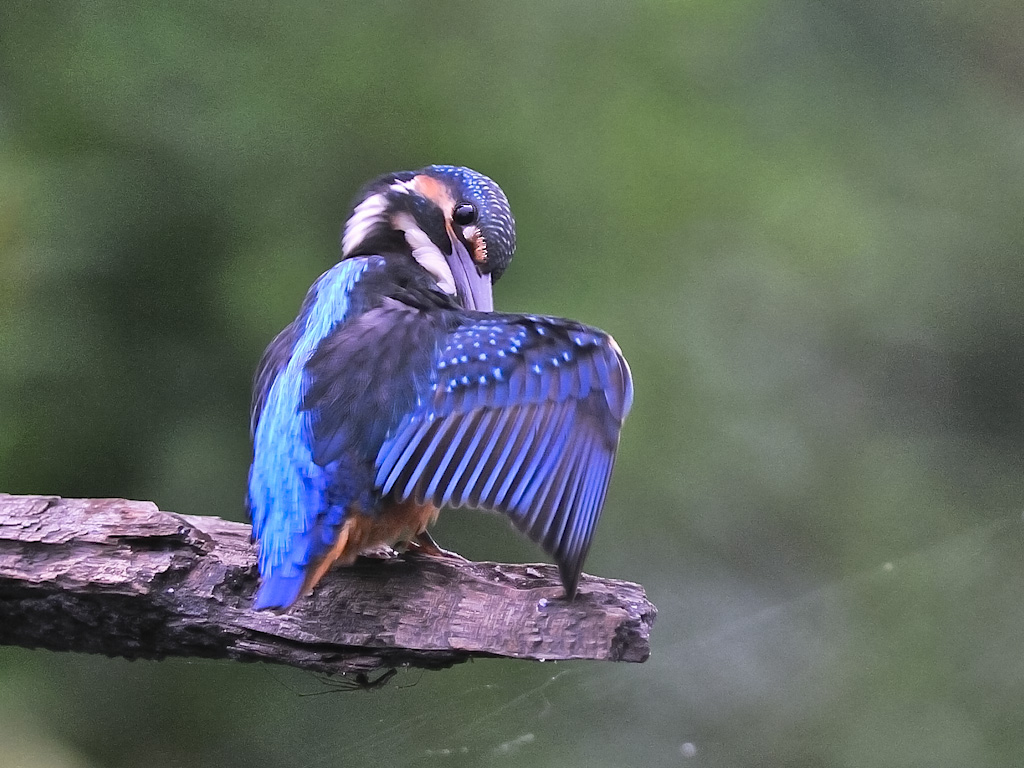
[{"x": 279, "y": 590}]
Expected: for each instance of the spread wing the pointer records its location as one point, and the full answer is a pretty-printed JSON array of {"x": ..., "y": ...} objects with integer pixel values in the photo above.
[{"x": 524, "y": 419}]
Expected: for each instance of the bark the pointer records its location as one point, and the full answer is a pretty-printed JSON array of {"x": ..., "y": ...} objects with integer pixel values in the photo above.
[{"x": 124, "y": 578}]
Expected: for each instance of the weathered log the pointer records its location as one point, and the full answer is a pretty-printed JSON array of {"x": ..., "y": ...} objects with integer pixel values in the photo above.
[{"x": 124, "y": 578}]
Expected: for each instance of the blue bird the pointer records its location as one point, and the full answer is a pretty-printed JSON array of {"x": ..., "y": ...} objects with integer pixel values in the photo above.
[{"x": 397, "y": 391}]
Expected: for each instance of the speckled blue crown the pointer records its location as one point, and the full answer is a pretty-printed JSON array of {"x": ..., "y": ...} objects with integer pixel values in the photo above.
[{"x": 496, "y": 221}]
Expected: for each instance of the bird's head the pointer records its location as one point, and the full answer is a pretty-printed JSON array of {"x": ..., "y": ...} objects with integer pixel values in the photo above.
[{"x": 456, "y": 222}]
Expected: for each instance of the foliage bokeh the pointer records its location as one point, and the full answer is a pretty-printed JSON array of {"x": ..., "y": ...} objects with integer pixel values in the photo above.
[{"x": 801, "y": 221}]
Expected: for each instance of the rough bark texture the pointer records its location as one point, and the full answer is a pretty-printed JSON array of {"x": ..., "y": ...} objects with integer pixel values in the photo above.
[{"x": 123, "y": 578}]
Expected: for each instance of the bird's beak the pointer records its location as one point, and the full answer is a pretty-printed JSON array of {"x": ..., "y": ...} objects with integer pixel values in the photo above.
[{"x": 472, "y": 287}]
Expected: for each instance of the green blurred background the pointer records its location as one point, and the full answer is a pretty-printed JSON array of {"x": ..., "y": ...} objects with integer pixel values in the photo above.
[{"x": 802, "y": 221}]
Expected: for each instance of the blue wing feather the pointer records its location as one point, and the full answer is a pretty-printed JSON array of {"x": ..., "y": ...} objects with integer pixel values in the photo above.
[
  {"x": 288, "y": 491},
  {"x": 524, "y": 419},
  {"x": 455, "y": 441},
  {"x": 541, "y": 453},
  {"x": 467, "y": 470}
]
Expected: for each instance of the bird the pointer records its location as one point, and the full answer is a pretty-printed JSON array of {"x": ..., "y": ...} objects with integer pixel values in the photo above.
[{"x": 398, "y": 390}]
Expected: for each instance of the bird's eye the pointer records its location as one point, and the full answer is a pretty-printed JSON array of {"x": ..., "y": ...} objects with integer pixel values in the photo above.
[{"x": 464, "y": 214}]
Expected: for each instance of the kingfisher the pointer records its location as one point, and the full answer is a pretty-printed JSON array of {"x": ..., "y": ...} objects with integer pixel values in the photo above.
[{"x": 398, "y": 391}]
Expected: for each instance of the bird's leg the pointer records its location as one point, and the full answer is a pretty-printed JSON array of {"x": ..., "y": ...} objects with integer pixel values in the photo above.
[{"x": 423, "y": 544}]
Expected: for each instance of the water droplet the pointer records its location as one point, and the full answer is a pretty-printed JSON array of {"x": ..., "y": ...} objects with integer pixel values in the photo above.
[
  {"x": 688, "y": 749},
  {"x": 542, "y": 604}
]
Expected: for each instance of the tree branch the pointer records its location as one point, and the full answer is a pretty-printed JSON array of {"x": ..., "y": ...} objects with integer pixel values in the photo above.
[{"x": 123, "y": 578}]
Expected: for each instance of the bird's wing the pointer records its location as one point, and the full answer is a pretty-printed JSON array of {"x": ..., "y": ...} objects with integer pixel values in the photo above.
[
  {"x": 272, "y": 363},
  {"x": 524, "y": 419}
]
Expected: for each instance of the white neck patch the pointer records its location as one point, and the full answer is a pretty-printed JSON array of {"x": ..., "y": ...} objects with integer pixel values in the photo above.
[
  {"x": 364, "y": 218},
  {"x": 369, "y": 214},
  {"x": 427, "y": 254}
]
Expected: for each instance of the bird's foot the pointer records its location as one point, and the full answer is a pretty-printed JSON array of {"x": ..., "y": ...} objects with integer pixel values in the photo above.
[
  {"x": 424, "y": 544},
  {"x": 380, "y": 552}
]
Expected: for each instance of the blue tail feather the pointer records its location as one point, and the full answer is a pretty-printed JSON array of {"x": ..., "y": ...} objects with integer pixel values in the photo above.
[{"x": 279, "y": 589}]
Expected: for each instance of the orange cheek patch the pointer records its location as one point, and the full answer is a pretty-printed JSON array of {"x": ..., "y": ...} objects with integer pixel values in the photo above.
[{"x": 435, "y": 191}]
